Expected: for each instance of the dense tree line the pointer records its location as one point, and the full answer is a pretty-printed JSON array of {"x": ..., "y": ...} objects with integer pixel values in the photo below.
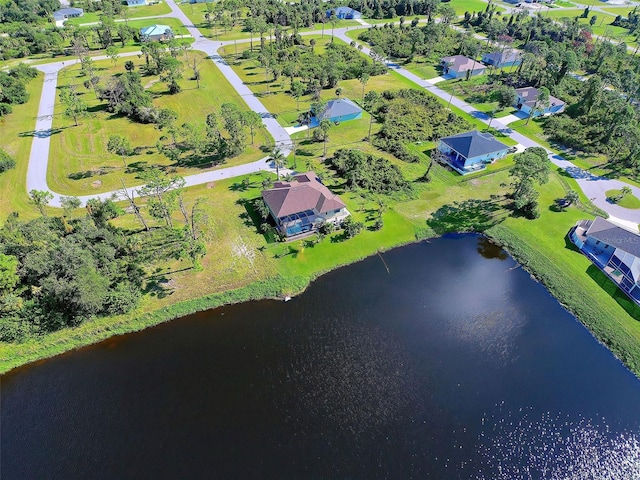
[
  {"x": 27, "y": 11},
  {"x": 13, "y": 86},
  {"x": 432, "y": 41},
  {"x": 55, "y": 274},
  {"x": 601, "y": 122},
  {"x": 366, "y": 171},
  {"x": 410, "y": 115}
]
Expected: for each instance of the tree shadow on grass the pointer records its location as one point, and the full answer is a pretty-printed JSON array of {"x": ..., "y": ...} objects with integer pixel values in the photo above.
[
  {"x": 157, "y": 287},
  {"x": 91, "y": 173},
  {"x": 467, "y": 216},
  {"x": 613, "y": 291}
]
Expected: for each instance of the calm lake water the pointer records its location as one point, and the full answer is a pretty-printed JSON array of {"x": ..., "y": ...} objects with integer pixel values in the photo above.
[{"x": 453, "y": 364}]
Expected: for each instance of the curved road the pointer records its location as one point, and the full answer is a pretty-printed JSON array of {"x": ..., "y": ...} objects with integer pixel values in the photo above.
[
  {"x": 594, "y": 187},
  {"x": 39, "y": 157}
]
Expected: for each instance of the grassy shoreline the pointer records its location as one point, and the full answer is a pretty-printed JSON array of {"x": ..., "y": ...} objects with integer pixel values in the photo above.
[{"x": 559, "y": 284}]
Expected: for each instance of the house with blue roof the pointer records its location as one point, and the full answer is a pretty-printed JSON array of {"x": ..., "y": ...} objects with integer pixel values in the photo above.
[
  {"x": 156, "y": 33},
  {"x": 472, "y": 151},
  {"x": 62, "y": 15},
  {"x": 614, "y": 250},
  {"x": 344, "y": 13},
  {"x": 336, "y": 111}
]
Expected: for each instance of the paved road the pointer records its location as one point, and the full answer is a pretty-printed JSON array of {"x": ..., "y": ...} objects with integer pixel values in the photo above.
[
  {"x": 593, "y": 187},
  {"x": 39, "y": 157}
]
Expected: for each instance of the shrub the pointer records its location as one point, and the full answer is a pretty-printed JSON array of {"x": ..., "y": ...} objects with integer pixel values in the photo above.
[
  {"x": 6, "y": 162},
  {"x": 5, "y": 109}
]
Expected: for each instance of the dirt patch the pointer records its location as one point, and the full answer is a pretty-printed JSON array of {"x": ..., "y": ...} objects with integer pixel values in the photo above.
[
  {"x": 96, "y": 184},
  {"x": 211, "y": 185}
]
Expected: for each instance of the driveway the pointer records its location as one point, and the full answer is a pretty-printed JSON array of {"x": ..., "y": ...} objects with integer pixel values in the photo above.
[{"x": 593, "y": 187}]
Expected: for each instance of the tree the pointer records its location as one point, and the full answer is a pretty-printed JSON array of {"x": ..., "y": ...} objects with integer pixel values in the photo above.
[
  {"x": 171, "y": 73},
  {"x": 505, "y": 96},
  {"x": 364, "y": 78},
  {"x": 112, "y": 53},
  {"x": 530, "y": 166},
  {"x": 75, "y": 107},
  {"x": 158, "y": 186},
  {"x": 297, "y": 91},
  {"x": 278, "y": 159},
  {"x": 119, "y": 145},
  {"x": 253, "y": 120},
  {"x": 40, "y": 199},
  {"x": 9, "y": 277},
  {"x": 167, "y": 120},
  {"x": 6, "y": 162},
  {"x": 325, "y": 126},
  {"x": 130, "y": 196},
  {"x": 129, "y": 66},
  {"x": 572, "y": 197},
  {"x": 69, "y": 204},
  {"x": 541, "y": 103}
]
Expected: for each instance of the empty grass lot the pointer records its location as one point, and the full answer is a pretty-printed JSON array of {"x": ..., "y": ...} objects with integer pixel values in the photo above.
[
  {"x": 16, "y": 130},
  {"x": 79, "y": 162},
  {"x": 130, "y": 12}
]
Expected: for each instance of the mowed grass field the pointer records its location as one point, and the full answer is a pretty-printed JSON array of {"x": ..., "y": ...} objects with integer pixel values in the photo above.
[
  {"x": 16, "y": 135},
  {"x": 129, "y": 12},
  {"x": 79, "y": 161},
  {"x": 196, "y": 13}
]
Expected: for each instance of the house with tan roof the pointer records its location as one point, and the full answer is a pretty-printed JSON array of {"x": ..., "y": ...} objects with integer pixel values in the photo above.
[
  {"x": 457, "y": 66},
  {"x": 303, "y": 205}
]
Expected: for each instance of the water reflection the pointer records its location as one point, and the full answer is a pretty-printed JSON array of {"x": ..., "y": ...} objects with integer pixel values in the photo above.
[
  {"x": 371, "y": 373},
  {"x": 488, "y": 249},
  {"x": 522, "y": 446}
]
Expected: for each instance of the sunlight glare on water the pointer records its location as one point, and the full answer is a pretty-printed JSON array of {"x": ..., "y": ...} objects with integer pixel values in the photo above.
[{"x": 524, "y": 446}]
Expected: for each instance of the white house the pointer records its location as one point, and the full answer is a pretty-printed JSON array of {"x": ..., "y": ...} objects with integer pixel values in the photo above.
[
  {"x": 62, "y": 15},
  {"x": 135, "y": 3}
]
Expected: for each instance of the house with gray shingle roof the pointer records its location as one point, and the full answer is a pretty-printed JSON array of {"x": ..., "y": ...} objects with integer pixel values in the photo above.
[
  {"x": 527, "y": 97},
  {"x": 303, "y": 205},
  {"x": 470, "y": 152},
  {"x": 504, "y": 58},
  {"x": 613, "y": 250},
  {"x": 60, "y": 16},
  {"x": 457, "y": 66}
]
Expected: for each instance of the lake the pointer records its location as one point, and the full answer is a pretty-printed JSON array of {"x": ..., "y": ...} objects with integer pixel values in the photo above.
[{"x": 440, "y": 360}]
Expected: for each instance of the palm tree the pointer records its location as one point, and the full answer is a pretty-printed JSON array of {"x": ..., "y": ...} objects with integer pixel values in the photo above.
[
  {"x": 325, "y": 125},
  {"x": 277, "y": 157}
]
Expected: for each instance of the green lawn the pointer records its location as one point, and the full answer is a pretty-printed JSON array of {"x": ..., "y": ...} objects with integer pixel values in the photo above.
[
  {"x": 79, "y": 163},
  {"x": 623, "y": 11},
  {"x": 132, "y": 12},
  {"x": 196, "y": 13},
  {"x": 601, "y": 27},
  {"x": 174, "y": 23},
  {"x": 627, "y": 201},
  {"x": 563, "y": 3},
  {"x": 461, "y": 6},
  {"x": 15, "y": 138}
]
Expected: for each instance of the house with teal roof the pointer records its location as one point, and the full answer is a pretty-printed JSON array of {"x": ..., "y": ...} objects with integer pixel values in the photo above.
[{"x": 156, "y": 33}]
